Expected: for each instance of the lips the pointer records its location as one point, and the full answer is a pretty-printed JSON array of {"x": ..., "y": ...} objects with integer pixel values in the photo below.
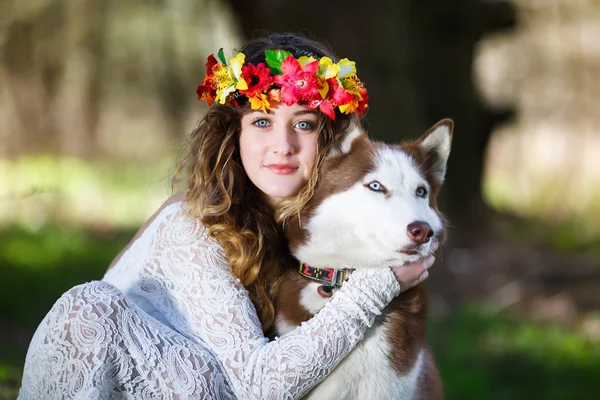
[{"x": 282, "y": 169}]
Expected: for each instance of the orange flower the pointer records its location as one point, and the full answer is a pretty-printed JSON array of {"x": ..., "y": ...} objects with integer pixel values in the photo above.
[
  {"x": 275, "y": 94},
  {"x": 260, "y": 101}
]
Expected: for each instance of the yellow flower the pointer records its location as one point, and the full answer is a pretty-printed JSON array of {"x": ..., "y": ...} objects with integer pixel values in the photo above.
[
  {"x": 347, "y": 68},
  {"x": 223, "y": 83},
  {"x": 228, "y": 79},
  {"x": 348, "y": 78},
  {"x": 327, "y": 70},
  {"x": 351, "y": 84},
  {"x": 236, "y": 70},
  {"x": 304, "y": 61}
]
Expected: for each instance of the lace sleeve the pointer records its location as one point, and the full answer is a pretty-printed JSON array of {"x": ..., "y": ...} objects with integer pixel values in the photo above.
[{"x": 188, "y": 280}]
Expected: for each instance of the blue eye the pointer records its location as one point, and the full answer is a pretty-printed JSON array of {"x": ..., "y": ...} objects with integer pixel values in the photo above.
[
  {"x": 421, "y": 192},
  {"x": 304, "y": 125},
  {"x": 261, "y": 123},
  {"x": 375, "y": 186}
]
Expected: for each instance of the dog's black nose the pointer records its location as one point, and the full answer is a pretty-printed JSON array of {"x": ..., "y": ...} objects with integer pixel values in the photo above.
[{"x": 420, "y": 232}]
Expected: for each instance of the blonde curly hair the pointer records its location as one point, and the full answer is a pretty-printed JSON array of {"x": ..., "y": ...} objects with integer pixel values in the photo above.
[{"x": 222, "y": 196}]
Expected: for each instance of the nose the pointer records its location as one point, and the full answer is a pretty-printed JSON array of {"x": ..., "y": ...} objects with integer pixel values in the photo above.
[
  {"x": 419, "y": 232},
  {"x": 284, "y": 142}
]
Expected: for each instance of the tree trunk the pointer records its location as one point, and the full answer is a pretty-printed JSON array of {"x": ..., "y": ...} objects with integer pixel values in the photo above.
[
  {"x": 445, "y": 35},
  {"x": 78, "y": 99}
]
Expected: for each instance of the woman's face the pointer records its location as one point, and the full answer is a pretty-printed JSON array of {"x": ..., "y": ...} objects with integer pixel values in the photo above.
[{"x": 279, "y": 149}]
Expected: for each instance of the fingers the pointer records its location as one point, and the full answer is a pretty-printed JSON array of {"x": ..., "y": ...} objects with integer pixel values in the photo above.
[
  {"x": 428, "y": 262},
  {"x": 411, "y": 275}
]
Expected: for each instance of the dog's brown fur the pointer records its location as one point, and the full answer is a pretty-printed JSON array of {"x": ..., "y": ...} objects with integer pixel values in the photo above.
[
  {"x": 407, "y": 317},
  {"x": 406, "y": 314}
]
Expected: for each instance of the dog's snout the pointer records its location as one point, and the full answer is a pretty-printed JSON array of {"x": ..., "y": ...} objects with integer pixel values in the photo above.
[{"x": 420, "y": 232}]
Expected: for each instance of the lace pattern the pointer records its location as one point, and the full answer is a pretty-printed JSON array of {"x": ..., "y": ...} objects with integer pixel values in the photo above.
[
  {"x": 182, "y": 325},
  {"x": 95, "y": 344}
]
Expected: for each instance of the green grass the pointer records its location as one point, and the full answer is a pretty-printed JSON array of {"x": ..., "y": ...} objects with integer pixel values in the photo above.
[
  {"x": 489, "y": 356},
  {"x": 40, "y": 265},
  {"x": 10, "y": 380},
  {"x": 480, "y": 355},
  {"x": 37, "y": 267}
]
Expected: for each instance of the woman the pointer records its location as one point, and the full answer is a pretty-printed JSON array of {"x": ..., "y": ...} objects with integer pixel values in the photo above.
[{"x": 182, "y": 310}]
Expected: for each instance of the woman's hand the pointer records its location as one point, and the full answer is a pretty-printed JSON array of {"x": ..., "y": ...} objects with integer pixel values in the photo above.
[{"x": 410, "y": 275}]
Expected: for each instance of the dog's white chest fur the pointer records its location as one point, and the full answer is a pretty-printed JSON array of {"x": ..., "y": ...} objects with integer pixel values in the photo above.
[{"x": 366, "y": 372}]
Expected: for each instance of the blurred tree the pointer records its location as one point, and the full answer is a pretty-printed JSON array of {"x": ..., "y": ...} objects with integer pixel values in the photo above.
[
  {"x": 25, "y": 74},
  {"x": 52, "y": 55},
  {"x": 416, "y": 57},
  {"x": 79, "y": 96},
  {"x": 89, "y": 78}
]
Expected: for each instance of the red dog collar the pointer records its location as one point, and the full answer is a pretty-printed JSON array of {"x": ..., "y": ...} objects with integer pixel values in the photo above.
[{"x": 328, "y": 276}]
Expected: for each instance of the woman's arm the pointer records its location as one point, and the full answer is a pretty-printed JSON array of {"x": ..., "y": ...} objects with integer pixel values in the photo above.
[{"x": 188, "y": 279}]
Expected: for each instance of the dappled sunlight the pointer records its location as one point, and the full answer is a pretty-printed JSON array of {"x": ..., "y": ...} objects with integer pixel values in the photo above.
[
  {"x": 545, "y": 164},
  {"x": 108, "y": 79},
  {"x": 96, "y": 99},
  {"x": 46, "y": 189},
  {"x": 544, "y": 170}
]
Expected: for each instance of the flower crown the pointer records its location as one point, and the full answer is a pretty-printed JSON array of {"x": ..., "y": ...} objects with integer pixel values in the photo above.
[{"x": 315, "y": 83}]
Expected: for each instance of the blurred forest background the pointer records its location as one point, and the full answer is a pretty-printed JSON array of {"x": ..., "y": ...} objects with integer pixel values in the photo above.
[{"x": 96, "y": 97}]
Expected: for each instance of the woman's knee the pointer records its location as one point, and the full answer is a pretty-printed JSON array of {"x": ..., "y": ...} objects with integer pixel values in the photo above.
[{"x": 88, "y": 315}]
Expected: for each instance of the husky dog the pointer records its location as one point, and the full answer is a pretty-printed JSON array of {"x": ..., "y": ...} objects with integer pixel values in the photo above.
[{"x": 374, "y": 207}]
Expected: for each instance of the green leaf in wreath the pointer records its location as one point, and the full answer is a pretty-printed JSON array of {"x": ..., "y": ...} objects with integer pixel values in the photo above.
[
  {"x": 222, "y": 56},
  {"x": 274, "y": 59}
]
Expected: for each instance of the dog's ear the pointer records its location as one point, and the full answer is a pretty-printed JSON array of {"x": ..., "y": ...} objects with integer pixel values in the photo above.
[
  {"x": 344, "y": 144},
  {"x": 435, "y": 147}
]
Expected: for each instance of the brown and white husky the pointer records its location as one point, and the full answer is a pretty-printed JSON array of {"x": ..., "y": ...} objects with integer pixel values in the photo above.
[{"x": 374, "y": 206}]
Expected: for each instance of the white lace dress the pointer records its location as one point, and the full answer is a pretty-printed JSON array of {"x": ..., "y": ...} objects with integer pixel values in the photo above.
[{"x": 170, "y": 321}]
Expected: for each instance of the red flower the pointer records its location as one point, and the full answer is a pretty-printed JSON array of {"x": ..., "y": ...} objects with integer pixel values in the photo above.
[
  {"x": 297, "y": 83},
  {"x": 327, "y": 108},
  {"x": 337, "y": 94},
  {"x": 206, "y": 91},
  {"x": 257, "y": 77},
  {"x": 363, "y": 103},
  {"x": 359, "y": 99},
  {"x": 323, "y": 105}
]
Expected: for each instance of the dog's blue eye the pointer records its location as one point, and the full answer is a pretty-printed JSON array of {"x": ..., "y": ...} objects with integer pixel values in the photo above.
[
  {"x": 421, "y": 191},
  {"x": 375, "y": 186}
]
